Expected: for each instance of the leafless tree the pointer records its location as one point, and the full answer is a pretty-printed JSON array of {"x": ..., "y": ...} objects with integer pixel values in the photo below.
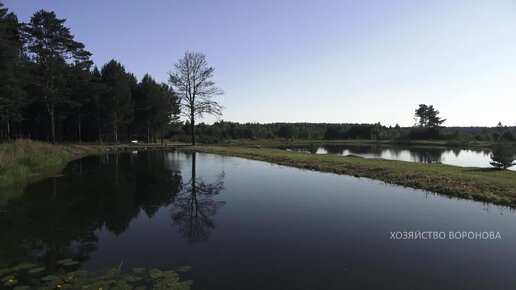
[
  {"x": 196, "y": 205},
  {"x": 192, "y": 80}
]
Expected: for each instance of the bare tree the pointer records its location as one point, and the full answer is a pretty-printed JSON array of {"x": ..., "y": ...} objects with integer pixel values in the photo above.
[
  {"x": 192, "y": 80},
  {"x": 196, "y": 205}
]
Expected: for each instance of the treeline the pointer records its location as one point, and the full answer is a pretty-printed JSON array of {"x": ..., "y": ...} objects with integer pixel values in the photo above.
[
  {"x": 222, "y": 131},
  {"x": 50, "y": 89}
]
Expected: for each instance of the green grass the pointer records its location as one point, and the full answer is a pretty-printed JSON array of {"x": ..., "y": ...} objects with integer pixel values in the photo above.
[
  {"x": 23, "y": 160},
  {"x": 465, "y": 182}
]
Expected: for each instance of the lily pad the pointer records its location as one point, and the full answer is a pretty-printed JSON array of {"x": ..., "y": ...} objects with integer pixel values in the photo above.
[
  {"x": 23, "y": 266},
  {"x": 7, "y": 278},
  {"x": 111, "y": 273},
  {"x": 184, "y": 269},
  {"x": 5, "y": 271},
  {"x": 10, "y": 282},
  {"x": 138, "y": 270},
  {"x": 155, "y": 273},
  {"x": 37, "y": 270},
  {"x": 171, "y": 275},
  {"x": 50, "y": 278},
  {"x": 67, "y": 262},
  {"x": 132, "y": 278}
]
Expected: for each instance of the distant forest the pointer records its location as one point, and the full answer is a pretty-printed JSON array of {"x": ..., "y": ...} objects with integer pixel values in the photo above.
[
  {"x": 221, "y": 131},
  {"x": 51, "y": 90}
]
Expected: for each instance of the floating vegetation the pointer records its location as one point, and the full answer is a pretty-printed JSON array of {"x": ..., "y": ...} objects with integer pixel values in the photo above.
[
  {"x": 184, "y": 269},
  {"x": 26, "y": 276}
]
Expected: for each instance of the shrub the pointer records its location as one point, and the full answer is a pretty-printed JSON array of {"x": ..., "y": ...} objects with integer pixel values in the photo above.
[{"x": 503, "y": 155}]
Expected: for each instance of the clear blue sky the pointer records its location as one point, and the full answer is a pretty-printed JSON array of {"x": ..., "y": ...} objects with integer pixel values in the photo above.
[{"x": 317, "y": 61}]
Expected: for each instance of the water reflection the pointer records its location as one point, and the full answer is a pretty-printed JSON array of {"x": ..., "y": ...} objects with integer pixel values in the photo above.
[
  {"x": 57, "y": 218},
  {"x": 195, "y": 206},
  {"x": 425, "y": 155},
  {"x": 452, "y": 156}
]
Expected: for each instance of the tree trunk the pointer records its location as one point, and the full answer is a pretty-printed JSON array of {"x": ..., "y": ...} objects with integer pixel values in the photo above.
[
  {"x": 148, "y": 132},
  {"x": 193, "y": 173},
  {"x": 162, "y": 137},
  {"x": 100, "y": 136},
  {"x": 53, "y": 127},
  {"x": 192, "y": 129},
  {"x": 8, "y": 129},
  {"x": 79, "y": 129},
  {"x": 99, "y": 131},
  {"x": 115, "y": 129}
]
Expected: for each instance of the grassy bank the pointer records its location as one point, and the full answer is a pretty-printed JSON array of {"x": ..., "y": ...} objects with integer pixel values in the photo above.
[
  {"x": 23, "y": 160},
  {"x": 471, "y": 183}
]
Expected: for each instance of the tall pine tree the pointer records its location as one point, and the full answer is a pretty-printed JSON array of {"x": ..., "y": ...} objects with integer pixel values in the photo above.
[
  {"x": 53, "y": 49},
  {"x": 11, "y": 70},
  {"x": 118, "y": 97}
]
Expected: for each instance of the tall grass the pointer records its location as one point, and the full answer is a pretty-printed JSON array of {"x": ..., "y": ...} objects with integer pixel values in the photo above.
[{"x": 22, "y": 159}]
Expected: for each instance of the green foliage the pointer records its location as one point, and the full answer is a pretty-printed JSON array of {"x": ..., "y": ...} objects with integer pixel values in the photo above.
[
  {"x": 22, "y": 159},
  {"x": 428, "y": 117},
  {"x": 53, "y": 52},
  {"x": 118, "y": 95},
  {"x": 503, "y": 155},
  {"x": 49, "y": 92},
  {"x": 156, "y": 106},
  {"x": 11, "y": 69}
]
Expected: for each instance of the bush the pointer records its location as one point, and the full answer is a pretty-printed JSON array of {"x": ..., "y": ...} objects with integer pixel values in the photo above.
[{"x": 503, "y": 155}]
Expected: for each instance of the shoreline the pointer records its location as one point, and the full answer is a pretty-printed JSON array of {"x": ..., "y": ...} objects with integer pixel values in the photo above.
[{"x": 480, "y": 184}]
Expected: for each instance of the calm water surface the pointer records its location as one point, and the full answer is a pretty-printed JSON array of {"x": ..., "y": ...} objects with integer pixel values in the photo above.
[
  {"x": 451, "y": 156},
  {"x": 245, "y": 224}
]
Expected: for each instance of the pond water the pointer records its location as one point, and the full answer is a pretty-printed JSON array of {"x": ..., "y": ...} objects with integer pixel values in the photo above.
[
  {"x": 245, "y": 224},
  {"x": 451, "y": 156}
]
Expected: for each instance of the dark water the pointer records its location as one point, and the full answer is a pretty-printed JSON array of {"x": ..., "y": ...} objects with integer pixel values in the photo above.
[
  {"x": 245, "y": 224},
  {"x": 451, "y": 156}
]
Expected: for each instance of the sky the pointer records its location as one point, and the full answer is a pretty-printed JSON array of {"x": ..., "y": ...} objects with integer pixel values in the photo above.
[{"x": 332, "y": 61}]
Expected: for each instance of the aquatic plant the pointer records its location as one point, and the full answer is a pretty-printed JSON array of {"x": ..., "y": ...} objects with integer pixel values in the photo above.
[{"x": 30, "y": 276}]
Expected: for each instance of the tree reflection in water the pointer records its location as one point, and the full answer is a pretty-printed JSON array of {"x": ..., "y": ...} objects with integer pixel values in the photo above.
[
  {"x": 195, "y": 206},
  {"x": 58, "y": 217}
]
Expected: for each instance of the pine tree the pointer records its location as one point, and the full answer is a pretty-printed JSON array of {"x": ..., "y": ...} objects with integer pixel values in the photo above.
[
  {"x": 503, "y": 155},
  {"x": 118, "y": 97},
  {"x": 11, "y": 70},
  {"x": 53, "y": 49}
]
